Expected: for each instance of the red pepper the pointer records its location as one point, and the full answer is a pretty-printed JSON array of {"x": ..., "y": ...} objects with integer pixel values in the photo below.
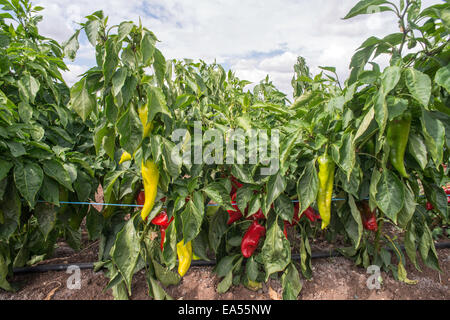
[
  {"x": 259, "y": 215},
  {"x": 371, "y": 223},
  {"x": 162, "y": 220},
  {"x": 141, "y": 198},
  {"x": 233, "y": 201},
  {"x": 369, "y": 218},
  {"x": 285, "y": 229},
  {"x": 296, "y": 213},
  {"x": 429, "y": 206},
  {"x": 309, "y": 213},
  {"x": 251, "y": 239},
  {"x": 235, "y": 214},
  {"x": 235, "y": 184},
  {"x": 163, "y": 237}
]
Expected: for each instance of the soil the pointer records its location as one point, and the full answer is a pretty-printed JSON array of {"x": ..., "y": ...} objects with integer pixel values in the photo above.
[{"x": 333, "y": 279}]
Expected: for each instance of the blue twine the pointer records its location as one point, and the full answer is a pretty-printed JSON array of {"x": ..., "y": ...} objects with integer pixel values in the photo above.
[{"x": 139, "y": 206}]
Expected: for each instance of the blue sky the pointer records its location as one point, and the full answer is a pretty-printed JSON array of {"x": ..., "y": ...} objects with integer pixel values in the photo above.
[{"x": 254, "y": 38}]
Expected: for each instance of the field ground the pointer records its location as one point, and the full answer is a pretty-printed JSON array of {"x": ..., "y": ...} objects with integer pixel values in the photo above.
[{"x": 333, "y": 278}]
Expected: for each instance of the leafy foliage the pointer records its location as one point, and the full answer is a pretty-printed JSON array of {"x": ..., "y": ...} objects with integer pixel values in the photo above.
[{"x": 67, "y": 141}]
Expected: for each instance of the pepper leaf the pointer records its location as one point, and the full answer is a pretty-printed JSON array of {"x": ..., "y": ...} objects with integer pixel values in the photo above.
[
  {"x": 290, "y": 280},
  {"x": 390, "y": 195},
  {"x": 419, "y": 85},
  {"x": 28, "y": 178},
  {"x": 125, "y": 252},
  {"x": 130, "y": 130},
  {"x": 218, "y": 193},
  {"x": 275, "y": 186},
  {"x": 276, "y": 251},
  {"x": 81, "y": 100},
  {"x": 356, "y": 233},
  {"x": 442, "y": 77},
  {"x": 307, "y": 186},
  {"x": 434, "y": 133},
  {"x": 192, "y": 217}
]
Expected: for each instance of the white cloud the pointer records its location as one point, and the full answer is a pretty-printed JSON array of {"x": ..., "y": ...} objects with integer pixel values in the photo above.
[
  {"x": 241, "y": 34},
  {"x": 279, "y": 68},
  {"x": 75, "y": 70},
  {"x": 279, "y": 63}
]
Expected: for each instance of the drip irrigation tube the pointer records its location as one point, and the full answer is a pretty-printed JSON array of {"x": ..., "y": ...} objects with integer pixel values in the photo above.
[{"x": 195, "y": 263}]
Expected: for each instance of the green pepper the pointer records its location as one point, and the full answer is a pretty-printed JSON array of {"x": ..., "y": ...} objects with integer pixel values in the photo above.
[
  {"x": 397, "y": 138},
  {"x": 325, "y": 192}
]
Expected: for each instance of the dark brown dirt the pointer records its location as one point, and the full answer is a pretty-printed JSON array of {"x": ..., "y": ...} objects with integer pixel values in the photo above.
[{"x": 333, "y": 279}]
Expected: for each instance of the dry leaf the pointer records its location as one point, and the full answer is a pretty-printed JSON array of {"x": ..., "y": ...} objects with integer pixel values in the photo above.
[
  {"x": 153, "y": 235},
  {"x": 52, "y": 293},
  {"x": 273, "y": 294}
]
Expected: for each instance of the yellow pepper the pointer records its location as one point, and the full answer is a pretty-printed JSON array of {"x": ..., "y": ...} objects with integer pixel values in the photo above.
[
  {"x": 125, "y": 157},
  {"x": 325, "y": 193},
  {"x": 184, "y": 252},
  {"x": 150, "y": 175},
  {"x": 143, "y": 115}
]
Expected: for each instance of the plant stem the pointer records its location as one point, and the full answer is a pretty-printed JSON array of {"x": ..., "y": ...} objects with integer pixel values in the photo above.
[
  {"x": 404, "y": 29},
  {"x": 377, "y": 237},
  {"x": 369, "y": 155}
]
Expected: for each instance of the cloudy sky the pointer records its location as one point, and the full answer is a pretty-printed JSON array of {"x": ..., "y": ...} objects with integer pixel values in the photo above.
[{"x": 254, "y": 38}]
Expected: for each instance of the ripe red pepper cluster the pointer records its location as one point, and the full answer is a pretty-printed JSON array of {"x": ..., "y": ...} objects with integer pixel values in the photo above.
[
  {"x": 256, "y": 231},
  {"x": 236, "y": 214},
  {"x": 161, "y": 220},
  {"x": 309, "y": 213}
]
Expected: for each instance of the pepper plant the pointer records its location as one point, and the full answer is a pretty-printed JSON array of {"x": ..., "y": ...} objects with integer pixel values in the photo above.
[
  {"x": 357, "y": 127},
  {"x": 353, "y": 157},
  {"x": 45, "y": 149}
]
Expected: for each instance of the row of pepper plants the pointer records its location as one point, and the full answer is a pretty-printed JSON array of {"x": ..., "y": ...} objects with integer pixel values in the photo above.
[
  {"x": 377, "y": 145},
  {"x": 47, "y": 156}
]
